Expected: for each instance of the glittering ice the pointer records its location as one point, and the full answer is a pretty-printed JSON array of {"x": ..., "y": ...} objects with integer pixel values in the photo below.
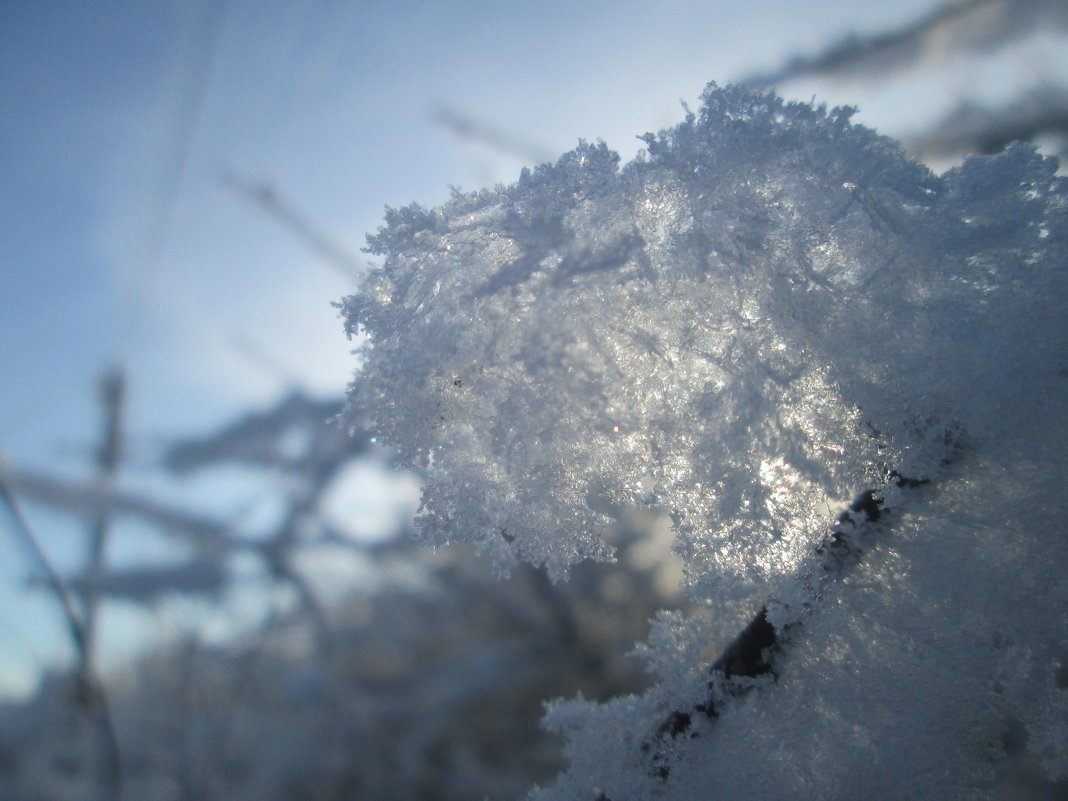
[
  {"x": 767, "y": 312},
  {"x": 770, "y": 285}
]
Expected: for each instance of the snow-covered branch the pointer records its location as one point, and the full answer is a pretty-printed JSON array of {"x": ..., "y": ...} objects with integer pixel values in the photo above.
[{"x": 771, "y": 316}]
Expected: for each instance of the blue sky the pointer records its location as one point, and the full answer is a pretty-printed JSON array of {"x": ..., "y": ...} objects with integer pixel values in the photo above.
[{"x": 120, "y": 241}]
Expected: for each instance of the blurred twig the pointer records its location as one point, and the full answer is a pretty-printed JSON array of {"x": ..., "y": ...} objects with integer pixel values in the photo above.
[
  {"x": 112, "y": 395},
  {"x": 79, "y": 499},
  {"x": 972, "y": 128},
  {"x": 92, "y": 696},
  {"x": 29, "y": 542},
  {"x": 483, "y": 133},
  {"x": 957, "y": 26},
  {"x": 276, "y": 206}
]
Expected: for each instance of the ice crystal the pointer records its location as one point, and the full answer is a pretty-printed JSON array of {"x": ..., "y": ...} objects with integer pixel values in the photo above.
[
  {"x": 769, "y": 315},
  {"x": 770, "y": 310}
]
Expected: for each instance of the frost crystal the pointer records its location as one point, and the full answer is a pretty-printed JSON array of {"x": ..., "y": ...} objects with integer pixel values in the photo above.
[
  {"x": 769, "y": 311},
  {"x": 770, "y": 314}
]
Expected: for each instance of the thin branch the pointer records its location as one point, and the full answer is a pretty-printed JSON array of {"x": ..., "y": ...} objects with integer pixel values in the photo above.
[
  {"x": 29, "y": 542},
  {"x": 754, "y": 652},
  {"x": 971, "y": 128},
  {"x": 91, "y": 692},
  {"x": 200, "y": 576},
  {"x": 483, "y": 133},
  {"x": 266, "y": 198},
  {"x": 962, "y": 25},
  {"x": 112, "y": 393},
  {"x": 80, "y": 499}
]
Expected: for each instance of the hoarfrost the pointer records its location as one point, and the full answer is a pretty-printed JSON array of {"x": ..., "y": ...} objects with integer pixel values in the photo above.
[
  {"x": 770, "y": 311},
  {"x": 769, "y": 314}
]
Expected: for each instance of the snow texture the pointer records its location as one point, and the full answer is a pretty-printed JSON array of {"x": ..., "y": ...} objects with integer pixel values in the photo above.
[{"x": 768, "y": 312}]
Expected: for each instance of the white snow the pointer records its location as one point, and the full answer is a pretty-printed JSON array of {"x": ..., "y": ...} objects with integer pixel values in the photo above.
[{"x": 769, "y": 312}]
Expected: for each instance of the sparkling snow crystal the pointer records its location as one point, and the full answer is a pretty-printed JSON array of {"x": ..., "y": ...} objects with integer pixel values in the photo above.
[
  {"x": 765, "y": 314},
  {"x": 769, "y": 312}
]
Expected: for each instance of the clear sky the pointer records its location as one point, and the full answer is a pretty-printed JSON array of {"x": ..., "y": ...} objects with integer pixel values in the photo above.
[{"x": 122, "y": 241}]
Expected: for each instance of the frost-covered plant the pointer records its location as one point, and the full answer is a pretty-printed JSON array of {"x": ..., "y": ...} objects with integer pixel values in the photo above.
[{"x": 769, "y": 314}]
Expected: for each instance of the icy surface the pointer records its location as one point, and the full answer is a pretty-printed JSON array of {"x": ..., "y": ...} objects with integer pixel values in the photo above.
[{"x": 769, "y": 312}]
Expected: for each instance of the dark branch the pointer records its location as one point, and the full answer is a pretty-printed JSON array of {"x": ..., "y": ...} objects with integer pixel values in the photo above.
[{"x": 753, "y": 653}]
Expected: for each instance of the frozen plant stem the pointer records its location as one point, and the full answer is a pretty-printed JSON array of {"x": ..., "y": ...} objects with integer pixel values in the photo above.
[{"x": 752, "y": 653}]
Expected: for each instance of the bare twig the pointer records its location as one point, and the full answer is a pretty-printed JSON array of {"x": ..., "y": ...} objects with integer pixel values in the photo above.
[
  {"x": 961, "y": 25},
  {"x": 112, "y": 395},
  {"x": 1042, "y": 114},
  {"x": 80, "y": 499},
  {"x": 483, "y": 133},
  {"x": 29, "y": 542},
  {"x": 266, "y": 198},
  {"x": 91, "y": 693}
]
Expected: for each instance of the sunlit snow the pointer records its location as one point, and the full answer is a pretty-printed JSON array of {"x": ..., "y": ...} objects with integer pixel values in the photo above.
[{"x": 770, "y": 311}]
